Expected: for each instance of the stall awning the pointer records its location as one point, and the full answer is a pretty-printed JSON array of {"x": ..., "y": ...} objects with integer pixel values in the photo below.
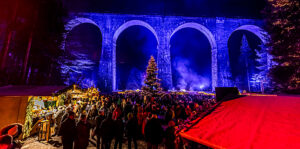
[
  {"x": 267, "y": 122},
  {"x": 12, "y": 90}
]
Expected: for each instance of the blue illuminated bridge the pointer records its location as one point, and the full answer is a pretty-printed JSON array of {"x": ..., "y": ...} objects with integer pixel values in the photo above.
[{"x": 217, "y": 31}]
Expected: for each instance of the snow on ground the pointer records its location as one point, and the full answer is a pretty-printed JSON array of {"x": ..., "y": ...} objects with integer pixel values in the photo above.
[{"x": 33, "y": 143}]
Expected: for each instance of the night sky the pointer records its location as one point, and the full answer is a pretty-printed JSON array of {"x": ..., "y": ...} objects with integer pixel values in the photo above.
[{"x": 211, "y": 8}]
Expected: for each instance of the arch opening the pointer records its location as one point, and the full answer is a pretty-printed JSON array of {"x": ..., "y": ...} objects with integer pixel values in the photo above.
[
  {"x": 248, "y": 58},
  {"x": 134, "y": 46},
  {"x": 118, "y": 32},
  {"x": 207, "y": 77},
  {"x": 191, "y": 60},
  {"x": 83, "y": 45}
]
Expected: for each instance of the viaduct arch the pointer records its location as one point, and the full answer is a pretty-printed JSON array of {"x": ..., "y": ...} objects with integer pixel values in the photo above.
[
  {"x": 74, "y": 23},
  {"x": 217, "y": 30},
  {"x": 115, "y": 38},
  {"x": 212, "y": 43}
]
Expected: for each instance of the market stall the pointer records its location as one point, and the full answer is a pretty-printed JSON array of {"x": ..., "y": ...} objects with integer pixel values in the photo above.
[
  {"x": 35, "y": 106},
  {"x": 20, "y": 104},
  {"x": 75, "y": 93}
]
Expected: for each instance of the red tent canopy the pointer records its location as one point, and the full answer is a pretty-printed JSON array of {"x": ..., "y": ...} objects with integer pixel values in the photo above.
[{"x": 250, "y": 122}]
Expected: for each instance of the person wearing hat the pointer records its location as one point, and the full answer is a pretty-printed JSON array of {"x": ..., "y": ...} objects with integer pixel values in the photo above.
[{"x": 68, "y": 131}]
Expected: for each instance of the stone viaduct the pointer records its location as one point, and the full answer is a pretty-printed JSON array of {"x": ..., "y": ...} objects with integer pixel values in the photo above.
[{"x": 217, "y": 30}]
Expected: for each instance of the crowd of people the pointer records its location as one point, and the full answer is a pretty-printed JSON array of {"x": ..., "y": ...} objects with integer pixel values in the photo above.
[{"x": 130, "y": 117}]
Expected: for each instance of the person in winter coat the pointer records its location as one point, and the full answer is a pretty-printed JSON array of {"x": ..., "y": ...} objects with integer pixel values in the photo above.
[
  {"x": 58, "y": 117},
  {"x": 66, "y": 114},
  {"x": 119, "y": 131},
  {"x": 117, "y": 112},
  {"x": 93, "y": 112},
  {"x": 97, "y": 130},
  {"x": 188, "y": 111},
  {"x": 169, "y": 115},
  {"x": 140, "y": 118},
  {"x": 127, "y": 109},
  {"x": 82, "y": 133},
  {"x": 107, "y": 131},
  {"x": 132, "y": 130},
  {"x": 147, "y": 117},
  {"x": 68, "y": 131},
  {"x": 170, "y": 136},
  {"x": 153, "y": 132}
]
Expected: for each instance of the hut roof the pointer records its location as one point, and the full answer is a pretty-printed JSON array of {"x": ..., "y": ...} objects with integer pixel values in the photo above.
[{"x": 22, "y": 90}]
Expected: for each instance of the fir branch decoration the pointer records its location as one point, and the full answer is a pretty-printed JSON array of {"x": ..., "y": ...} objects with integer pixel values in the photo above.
[{"x": 28, "y": 118}]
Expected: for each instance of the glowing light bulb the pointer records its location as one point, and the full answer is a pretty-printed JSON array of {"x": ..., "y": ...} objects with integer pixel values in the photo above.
[{"x": 201, "y": 86}]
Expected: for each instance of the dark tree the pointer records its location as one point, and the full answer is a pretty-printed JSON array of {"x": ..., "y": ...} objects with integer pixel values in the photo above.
[
  {"x": 45, "y": 54},
  {"x": 283, "y": 24},
  {"x": 245, "y": 60},
  {"x": 31, "y": 51},
  {"x": 260, "y": 80}
]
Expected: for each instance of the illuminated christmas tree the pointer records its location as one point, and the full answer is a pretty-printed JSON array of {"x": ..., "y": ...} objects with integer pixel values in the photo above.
[{"x": 152, "y": 86}]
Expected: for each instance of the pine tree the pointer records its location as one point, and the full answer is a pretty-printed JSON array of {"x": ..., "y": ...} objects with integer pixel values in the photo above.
[
  {"x": 47, "y": 37},
  {"x": 262, "y": 65},
  {"x": 244, "y": 58},
  {"x": 262, "y": 60},
  {"x": 283, "y": 25},
  {"x": 152, "y": 86}
]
